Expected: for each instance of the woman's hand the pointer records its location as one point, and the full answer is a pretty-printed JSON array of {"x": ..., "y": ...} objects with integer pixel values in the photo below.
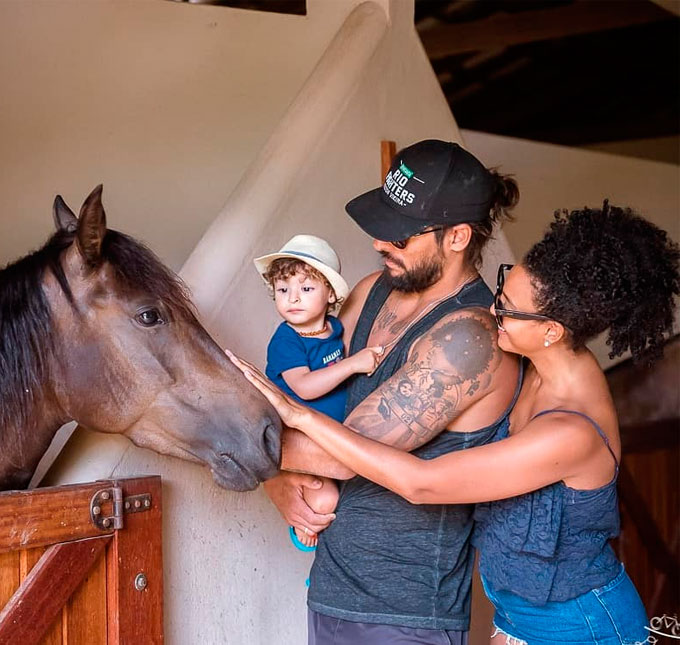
[{"x": 290, "y": 411}]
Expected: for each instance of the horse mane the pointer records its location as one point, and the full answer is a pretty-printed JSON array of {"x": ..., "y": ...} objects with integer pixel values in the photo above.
[{"x": 27, "y": 342}]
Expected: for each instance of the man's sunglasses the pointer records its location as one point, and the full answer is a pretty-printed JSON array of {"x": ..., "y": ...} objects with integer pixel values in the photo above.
[
  {"x": 500, "y": 311},
  {"x": 401, "y": 244}
]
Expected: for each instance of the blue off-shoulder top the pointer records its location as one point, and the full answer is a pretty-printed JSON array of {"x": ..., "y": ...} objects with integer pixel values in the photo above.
[{"x": 551, "y": 544}]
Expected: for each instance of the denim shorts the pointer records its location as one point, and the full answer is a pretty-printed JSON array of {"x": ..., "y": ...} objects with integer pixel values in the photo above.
[{"x": 610, "y": 615}]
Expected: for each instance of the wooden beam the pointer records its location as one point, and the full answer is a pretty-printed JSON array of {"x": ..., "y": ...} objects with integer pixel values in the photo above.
[
  {"x": 387, "y": 151},
  {"x": 669, "y": 5},
  {"x": 47, "y": 515},
  {"x": 505, "y": 29},
  {"x": 30, "y": 612}
]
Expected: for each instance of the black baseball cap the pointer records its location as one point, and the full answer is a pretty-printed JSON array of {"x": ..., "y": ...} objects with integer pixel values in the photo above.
[{"x": 429, "y": 183}]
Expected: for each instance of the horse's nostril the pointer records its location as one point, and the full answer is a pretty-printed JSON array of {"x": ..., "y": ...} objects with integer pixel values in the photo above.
[{"x": 272, "y": 442}]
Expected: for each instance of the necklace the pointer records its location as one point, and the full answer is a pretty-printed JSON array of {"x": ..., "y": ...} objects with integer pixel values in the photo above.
[
  {"x": 318, "y": 332},
  {"x": 426, "y": 310}
]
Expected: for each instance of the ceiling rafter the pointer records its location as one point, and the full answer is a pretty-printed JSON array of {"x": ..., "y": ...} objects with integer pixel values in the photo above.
[{"x": 505, "y": 29}]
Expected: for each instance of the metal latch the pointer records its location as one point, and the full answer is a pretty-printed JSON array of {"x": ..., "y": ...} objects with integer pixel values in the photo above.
[{"x": 108, "y": 506}]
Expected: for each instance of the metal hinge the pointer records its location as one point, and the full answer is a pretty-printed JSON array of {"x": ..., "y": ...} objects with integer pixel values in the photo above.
[{"x": 108, "y": 506}]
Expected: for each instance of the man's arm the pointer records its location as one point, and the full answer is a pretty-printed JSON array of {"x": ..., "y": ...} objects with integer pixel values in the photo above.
[
  {"x": 299, "y": 454},
  {"x": 450, "y": 368}
]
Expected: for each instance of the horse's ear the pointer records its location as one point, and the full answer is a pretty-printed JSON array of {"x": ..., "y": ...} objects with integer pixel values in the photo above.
[
  {"x": 92, "y": 227},
  {"x": 64, "y": 218}
]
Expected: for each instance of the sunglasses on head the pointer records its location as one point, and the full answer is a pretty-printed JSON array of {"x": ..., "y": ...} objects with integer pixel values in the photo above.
[
  {"x": 401, "y": 244},
  {"x": 501, "y": 311}
]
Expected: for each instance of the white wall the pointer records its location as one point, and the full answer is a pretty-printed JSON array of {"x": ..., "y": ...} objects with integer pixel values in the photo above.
[{"x": 165, "y": 103}]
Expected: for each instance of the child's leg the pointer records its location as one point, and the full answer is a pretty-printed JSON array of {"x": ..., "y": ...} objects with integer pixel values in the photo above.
[{"x": 321, "y": 500}]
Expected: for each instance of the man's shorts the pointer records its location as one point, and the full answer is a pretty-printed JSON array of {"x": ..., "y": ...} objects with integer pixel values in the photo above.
[{"x": 324, "y": 630}]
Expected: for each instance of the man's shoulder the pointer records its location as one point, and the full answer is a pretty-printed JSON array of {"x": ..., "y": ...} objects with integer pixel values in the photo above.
[
  {"x": 473, "y": 320},
  {"x": 476, "y": 313},
  {"x": 464, "y": 342},
  {"x": 367, "y": 282},
  {"x": 361, "y": 290},
  {"x": 470, "y": 329},
  {"x": 352, "y": 307}
]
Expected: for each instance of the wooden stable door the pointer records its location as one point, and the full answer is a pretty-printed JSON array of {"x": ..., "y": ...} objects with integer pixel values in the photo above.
[{"x": 82, "y": 564}]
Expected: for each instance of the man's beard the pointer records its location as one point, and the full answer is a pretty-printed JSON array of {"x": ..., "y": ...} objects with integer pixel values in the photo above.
[{"x": 417, "y": 279}]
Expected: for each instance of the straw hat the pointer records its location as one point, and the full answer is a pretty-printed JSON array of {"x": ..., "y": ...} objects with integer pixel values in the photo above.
[{"x": 311, "y": 250}]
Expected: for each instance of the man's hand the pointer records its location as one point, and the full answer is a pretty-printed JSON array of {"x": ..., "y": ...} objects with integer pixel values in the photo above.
[{"x": 286, "y": 492}]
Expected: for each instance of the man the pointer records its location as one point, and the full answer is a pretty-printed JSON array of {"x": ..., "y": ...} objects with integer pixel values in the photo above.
[{"x": 387, "y": 571}]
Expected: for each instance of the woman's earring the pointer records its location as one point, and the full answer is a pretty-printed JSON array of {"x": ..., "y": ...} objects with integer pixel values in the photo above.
[{"x": 546, "y": 343}]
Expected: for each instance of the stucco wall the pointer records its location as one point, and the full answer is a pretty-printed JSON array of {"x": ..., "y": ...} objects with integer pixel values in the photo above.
[{"x": 164, "y": 103}]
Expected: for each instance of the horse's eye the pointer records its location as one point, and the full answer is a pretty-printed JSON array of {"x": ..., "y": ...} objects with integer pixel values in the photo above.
[{"x": 150, "y": 318}]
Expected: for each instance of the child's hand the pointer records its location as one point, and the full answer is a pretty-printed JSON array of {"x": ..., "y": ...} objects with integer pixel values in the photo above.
[{"x": 366, "y": 360}]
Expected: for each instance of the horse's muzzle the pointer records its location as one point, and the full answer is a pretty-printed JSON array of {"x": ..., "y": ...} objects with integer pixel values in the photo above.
[{"x": 244, "y": 467}]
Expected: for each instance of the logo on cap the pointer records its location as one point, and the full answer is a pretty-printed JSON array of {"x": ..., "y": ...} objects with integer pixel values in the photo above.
[
  {"x": 396, "y": 183},
  {"x": 405, "y": 170}
]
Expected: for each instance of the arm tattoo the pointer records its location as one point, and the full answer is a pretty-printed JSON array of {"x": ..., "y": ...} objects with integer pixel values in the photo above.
[{"x": 449, "y": 368}]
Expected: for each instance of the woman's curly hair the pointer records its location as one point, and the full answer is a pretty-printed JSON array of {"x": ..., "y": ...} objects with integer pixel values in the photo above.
[{"x": 609, "y": 268}]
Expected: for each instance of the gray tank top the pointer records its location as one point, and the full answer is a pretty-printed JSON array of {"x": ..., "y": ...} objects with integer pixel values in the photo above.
[{"x": 384, "y": 560}]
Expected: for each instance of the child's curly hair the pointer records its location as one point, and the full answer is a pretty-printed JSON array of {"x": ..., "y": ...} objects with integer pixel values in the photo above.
[
  {"x": 609, "y": 268},
  {"x": 284, "y": 268}
]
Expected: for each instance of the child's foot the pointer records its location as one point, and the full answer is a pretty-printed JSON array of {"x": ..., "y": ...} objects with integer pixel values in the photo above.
[
  {"x": 309, "y": 543},
  {"x": 309, "y": 539}
]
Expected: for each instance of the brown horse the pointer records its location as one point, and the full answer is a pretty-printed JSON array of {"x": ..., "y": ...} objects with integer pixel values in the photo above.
[{"x": 94, "y": 328}]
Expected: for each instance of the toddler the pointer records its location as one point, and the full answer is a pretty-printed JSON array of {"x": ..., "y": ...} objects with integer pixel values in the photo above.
[{"x": 306, "y": 356}]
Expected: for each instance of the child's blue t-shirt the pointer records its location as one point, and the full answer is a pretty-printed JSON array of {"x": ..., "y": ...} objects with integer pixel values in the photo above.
[{"x": 287, "y": 350}]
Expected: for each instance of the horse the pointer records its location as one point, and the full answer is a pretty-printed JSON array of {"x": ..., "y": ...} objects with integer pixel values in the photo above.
[{"x": 94, "y": 328}]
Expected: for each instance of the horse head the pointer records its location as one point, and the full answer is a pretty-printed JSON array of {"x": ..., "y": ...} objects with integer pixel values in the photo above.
[{"x": 120, "y": 350}]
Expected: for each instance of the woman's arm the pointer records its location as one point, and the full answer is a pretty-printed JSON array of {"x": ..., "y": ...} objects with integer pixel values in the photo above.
[{"x": 547, "y": 450}]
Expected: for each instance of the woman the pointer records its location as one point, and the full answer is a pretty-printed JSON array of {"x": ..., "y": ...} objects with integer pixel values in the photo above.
[{"x": 549, "y": 480}]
